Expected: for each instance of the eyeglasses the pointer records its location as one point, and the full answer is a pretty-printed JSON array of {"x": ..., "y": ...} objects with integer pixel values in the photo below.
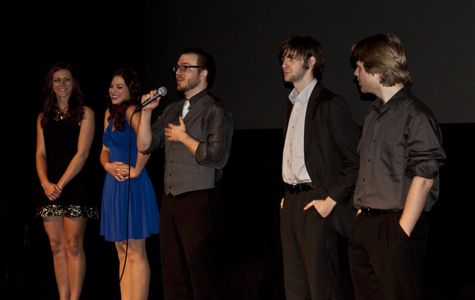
[{"x": 184, "y": 68}]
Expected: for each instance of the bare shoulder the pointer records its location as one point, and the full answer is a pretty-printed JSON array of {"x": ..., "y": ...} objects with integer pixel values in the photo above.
[
  {"x": 107, "y": 113},
  {"x": 88, "y": 112},
  {"x": 38, "y": 120},
  {"x": 132, "y": 115},
  {"x": 130, "y": 110}
]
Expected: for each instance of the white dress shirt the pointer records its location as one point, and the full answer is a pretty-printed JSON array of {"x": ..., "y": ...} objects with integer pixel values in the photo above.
[{"x": 293, "y": 162}]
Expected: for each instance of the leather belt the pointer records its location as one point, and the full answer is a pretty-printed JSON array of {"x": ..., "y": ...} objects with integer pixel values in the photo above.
[
  {"x": 369, "y": 212},
  {"x": 297, "y": 188}
]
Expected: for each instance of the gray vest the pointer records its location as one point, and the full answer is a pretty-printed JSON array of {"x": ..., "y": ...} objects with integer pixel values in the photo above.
[{"x": 182, "y": 173}]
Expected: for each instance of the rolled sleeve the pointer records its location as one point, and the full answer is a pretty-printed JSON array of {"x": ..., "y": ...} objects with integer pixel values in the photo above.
[
  {"x": 214, "y": 152},
  {"x": 425, "y": 152}
]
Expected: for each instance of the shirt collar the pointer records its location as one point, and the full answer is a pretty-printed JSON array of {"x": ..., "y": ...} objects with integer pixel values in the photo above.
[
  {"x": 393, "y": 102},
  {"x": 197, "y": 96},
  {"x": 304, "y": 95}
]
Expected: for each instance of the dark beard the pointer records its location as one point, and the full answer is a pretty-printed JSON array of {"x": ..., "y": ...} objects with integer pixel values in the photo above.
[{"x": 191, "y": 84}]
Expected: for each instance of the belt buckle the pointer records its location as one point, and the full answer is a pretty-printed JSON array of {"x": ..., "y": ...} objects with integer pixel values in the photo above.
[
  {"x": 366, "y": 211},
  {"x": 297, "y": 187},
  {"x": 293, "y": 188},
  {"x": 369, "y": 212}
]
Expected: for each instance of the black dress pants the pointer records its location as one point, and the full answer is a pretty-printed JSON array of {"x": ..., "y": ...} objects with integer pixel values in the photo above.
[
  {"x": 310, "y": 251},
  {"x": 385, "y": 263},
  {"x": 188, "y": 241}
]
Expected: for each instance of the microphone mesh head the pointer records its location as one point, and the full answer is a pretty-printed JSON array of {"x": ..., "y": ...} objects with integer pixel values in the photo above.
[{"x": 162, "y": 91}]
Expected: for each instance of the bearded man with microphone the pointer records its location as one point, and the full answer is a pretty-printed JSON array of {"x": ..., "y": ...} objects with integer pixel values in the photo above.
[{"x": 196, "y": 133}]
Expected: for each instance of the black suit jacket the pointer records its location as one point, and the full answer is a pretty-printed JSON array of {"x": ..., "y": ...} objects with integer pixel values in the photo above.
[{"x": 330, "y": 148}]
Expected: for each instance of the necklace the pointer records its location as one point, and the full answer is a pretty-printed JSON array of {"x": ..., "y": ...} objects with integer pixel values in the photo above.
[{"x": 61, "y": 115}]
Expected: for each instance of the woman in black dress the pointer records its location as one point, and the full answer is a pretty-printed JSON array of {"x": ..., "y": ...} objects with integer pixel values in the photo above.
[{"x": 65, "y": 130}]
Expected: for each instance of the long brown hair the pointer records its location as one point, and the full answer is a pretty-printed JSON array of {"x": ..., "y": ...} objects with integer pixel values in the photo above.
[
  {"x": 117, "y": 111},
  {"x": 75, "y": 101}
]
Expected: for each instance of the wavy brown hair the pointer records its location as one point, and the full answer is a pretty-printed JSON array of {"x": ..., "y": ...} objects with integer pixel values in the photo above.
[
  {"x": 75, "y": 101},
  {"x": 117, "y": 111}
]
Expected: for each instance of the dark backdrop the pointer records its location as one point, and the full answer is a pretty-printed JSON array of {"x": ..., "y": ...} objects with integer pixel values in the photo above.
[{"x": 244, "y": 37}]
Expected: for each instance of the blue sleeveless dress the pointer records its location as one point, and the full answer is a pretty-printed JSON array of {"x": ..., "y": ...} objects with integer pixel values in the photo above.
[{"x": 129, "y": 208}]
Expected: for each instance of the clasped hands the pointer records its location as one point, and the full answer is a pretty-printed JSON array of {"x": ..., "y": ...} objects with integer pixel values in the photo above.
[
  {"x": 120, "y": 170},
  {"x": 52, "y": 191}
]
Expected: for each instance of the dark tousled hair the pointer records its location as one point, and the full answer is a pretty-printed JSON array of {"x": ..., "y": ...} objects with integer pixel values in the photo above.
[
  {"x": 304, "y": 47},
  {"x": 204, "y": 59}
]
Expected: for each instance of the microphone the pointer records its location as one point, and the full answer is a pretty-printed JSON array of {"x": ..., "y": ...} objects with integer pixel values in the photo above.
[{"x": 162, "y": 91}]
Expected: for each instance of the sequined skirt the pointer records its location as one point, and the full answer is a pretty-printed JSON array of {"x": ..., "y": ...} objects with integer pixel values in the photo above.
[{"x": 67, "y": 210}]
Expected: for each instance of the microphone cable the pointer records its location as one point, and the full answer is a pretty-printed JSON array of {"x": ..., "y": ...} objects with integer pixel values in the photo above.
[
  {"x": 129, "y": 158},
  {"x": 162, "y": 91}
]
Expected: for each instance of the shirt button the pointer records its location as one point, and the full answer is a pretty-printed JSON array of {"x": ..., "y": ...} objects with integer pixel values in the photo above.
[
  {"x": 170, "y": 174},
  {"x": 374, "y": 141},
  {"x": 369, "y": 159},
  {"x": 173, "y": 147},
  {"x": 364, "y": 179}
]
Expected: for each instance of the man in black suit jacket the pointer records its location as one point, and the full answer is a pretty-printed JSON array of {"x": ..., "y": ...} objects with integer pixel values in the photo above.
[{"x": 319, "y": 170}]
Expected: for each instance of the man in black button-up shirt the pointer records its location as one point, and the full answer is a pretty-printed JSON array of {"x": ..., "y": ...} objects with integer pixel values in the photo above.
[{"x": 400, "y": 155}]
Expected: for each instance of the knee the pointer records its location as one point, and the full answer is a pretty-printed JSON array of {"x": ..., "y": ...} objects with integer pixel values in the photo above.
[
  {"x": 120, "y": 252},
  {"x": 57, "y": 246},
  {"x": 135, "y": 254},
  {"x": 74, "y": 247}
]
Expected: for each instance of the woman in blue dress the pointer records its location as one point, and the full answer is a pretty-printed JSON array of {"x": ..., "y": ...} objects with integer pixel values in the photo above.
[{"x": 129, "y": 206}]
